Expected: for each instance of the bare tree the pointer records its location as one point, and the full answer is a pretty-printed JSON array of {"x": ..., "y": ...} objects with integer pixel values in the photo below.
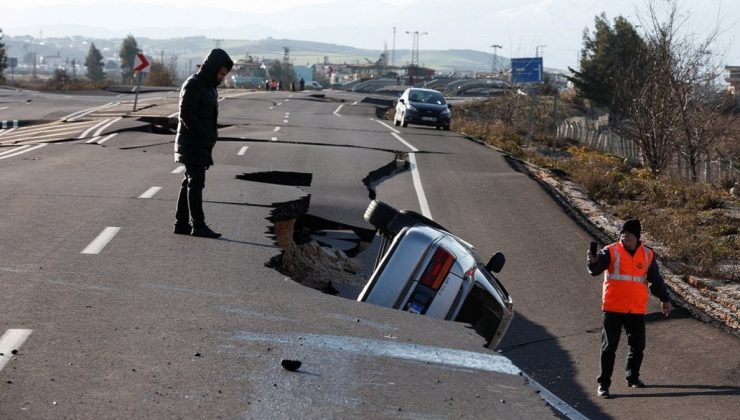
[{"x": 670, "y": 91}]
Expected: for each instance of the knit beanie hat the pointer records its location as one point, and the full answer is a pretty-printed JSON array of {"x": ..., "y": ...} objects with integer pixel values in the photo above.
[{"x": 632, "y": 226}]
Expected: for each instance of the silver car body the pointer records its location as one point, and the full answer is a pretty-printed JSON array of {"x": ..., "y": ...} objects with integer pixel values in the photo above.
[{"x": 468, "y": 292}]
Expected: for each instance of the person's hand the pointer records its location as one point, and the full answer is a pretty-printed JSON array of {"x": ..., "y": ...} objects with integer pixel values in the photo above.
[
  {"x": 666, "y": 307},
  {"x": 590, "y": 259}
]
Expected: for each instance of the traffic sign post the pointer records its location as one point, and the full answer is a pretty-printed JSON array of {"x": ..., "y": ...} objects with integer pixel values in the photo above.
[
  {"x": 141, "y": 66},
  {"x": 528, "y": 70}
]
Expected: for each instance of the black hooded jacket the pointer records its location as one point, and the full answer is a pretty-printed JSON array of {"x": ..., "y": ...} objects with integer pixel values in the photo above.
[{"x": 197, "y": 130}]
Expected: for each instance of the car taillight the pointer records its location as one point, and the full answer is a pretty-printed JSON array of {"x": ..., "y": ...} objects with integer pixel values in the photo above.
[{"x": 436, "y": 272}]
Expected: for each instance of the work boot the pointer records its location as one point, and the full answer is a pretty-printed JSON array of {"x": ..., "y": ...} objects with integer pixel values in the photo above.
[
  {"x": 636, "y": 383},
  {"x": 204, "y": 231},
  {"x": 182, "y": 228}
]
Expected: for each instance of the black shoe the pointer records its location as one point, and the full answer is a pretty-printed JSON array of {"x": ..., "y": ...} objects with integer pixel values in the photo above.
[
  {"x": 636, "y": 384},
  {"x": 182, "y": 228},
  {"x": 204, "y": 232},
  {"x": 603, "y": 391}
]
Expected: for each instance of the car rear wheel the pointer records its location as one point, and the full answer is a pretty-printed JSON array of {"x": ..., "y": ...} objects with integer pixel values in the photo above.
[{"x": 380, "y": 214}]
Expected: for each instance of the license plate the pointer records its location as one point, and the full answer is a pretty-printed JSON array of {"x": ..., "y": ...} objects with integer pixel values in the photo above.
[{"x": 432, "y": 119}]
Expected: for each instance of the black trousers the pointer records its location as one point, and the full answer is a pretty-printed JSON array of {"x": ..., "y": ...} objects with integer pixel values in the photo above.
[
  {"x": 190, "y": 200},
  {"x": 634, "y": 327}
]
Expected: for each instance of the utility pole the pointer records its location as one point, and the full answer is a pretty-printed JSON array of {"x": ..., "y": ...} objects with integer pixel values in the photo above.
[
  {"x": 393, "y": 51},
  {"x": 493, "y": 60}
]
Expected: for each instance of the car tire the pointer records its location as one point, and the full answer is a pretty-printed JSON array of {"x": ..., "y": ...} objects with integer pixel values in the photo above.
[
  {"x": 380, "y": 214},
  {"x": 447, "y": 128}
]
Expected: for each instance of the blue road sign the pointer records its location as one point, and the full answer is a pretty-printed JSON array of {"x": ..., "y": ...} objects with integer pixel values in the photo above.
[{"x": 526, "y": 70}]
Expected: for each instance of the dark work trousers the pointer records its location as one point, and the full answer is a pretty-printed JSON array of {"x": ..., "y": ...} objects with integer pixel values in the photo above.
[
  {"x": 190, "y": 200},
  {"x": 634, "y": 326}
]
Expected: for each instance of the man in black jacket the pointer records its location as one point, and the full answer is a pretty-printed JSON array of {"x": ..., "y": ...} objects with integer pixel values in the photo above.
[{"x": 196, "y": 135}]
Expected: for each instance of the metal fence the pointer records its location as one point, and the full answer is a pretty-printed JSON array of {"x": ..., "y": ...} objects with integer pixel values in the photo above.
[{"x": 597, "y": 135}]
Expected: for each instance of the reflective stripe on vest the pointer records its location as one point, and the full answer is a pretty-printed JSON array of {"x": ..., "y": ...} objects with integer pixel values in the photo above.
[
  {"x": 617, "y": 274},
  {"x": 625, "y": 281}
]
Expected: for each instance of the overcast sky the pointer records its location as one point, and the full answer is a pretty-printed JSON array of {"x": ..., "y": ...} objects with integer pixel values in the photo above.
[{"x": 519, "y": 26}]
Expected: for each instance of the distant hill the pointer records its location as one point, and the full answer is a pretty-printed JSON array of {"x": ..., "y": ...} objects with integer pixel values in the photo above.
[{"x": 190, "y": 50}]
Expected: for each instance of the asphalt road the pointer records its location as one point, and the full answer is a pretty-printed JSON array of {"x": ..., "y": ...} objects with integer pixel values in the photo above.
[{"x": 152, "y": 324}]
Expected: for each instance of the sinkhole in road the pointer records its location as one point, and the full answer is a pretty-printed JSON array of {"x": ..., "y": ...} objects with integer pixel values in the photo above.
[{"x": 326, "y": 255}]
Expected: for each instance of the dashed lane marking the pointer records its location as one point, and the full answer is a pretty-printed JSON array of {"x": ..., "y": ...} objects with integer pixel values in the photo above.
[
  {"x": 336, "y": 112},
  {"x": 277, "y": 129},
  {"x": 151, "y": 192},
  {"x": 99, "y": 243},
  {"x": 178, "y": 170},
  {"x": 10, "y": 342},
  {"x": 242, "y": 151}
]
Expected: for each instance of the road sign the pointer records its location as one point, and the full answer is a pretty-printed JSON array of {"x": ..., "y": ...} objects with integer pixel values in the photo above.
[
  {"x": 141, "y": 63},
  {"x": 526, "y": 70}
]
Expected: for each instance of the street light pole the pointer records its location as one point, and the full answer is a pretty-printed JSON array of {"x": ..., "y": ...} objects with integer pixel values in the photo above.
[
  {"x": 537, "y": 50},
  {"x": 415, "y": 47},
  {"x": 493, "y": 60}
]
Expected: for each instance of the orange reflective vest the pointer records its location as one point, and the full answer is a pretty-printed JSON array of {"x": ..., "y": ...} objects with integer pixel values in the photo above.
[{"x": 625, "y": 281}]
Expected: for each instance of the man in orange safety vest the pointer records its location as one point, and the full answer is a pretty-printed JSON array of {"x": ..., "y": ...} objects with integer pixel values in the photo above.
[{"x": 630, "y": 274}]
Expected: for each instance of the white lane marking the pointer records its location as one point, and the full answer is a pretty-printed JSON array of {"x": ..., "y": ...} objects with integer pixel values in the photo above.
[
  {"x": 103, "y": 128},
  {"x": 336, "y": 112},
  {"x": 386, "y": 125},
  {"x": 5, "y": 107},
  {"x": 277, "y": 129},
  {"x": 377, "y": 348},
  {"x": 273, "y": 139},
  {"x": 287, "y": 114},
  {"x": 285, "y": 121},
  {"x": 14, "y": 149},
  {"x": 4, "y": 132},
  {"x": 79, "y": 114},
  {"x": 97, "y": 245},
  {"x": 106, "y": 138},
  {"x": 423, "y": 204},
  {"x": 91, "y": 129},
  {"x": 279, "y": 103},
  {"x": 174, "y": 115},
  {"x": 287, "y": 100},
  {"x": 271, "y": 107},
  {"x": 178, "y": 170},
  {"x": 242, "y": 151},
  {"x": 13, "y": 339},
  {"x": 354, "y": 103},
  {"x": 20, "y": 152},
  {"x": 560, "y": 405},
  {"x": 405, "y": 143},
  {"x": 150, "y": 192}
]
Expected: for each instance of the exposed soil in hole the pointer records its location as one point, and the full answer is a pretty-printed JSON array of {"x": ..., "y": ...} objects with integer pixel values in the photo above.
[{"x": 327, "y": 256}]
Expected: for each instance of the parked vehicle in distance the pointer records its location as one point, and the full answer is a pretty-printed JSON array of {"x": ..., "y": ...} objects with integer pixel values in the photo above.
[
  {"x": 313, "y": 85},
  {"x": 424, "y": 269},
  {"x": 422, "y": 107}
]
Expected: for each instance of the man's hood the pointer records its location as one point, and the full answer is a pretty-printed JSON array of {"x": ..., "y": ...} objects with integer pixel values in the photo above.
[{"x": 216, "y": 59}]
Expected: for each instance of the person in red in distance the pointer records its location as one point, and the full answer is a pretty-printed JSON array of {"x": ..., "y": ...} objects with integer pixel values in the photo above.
[{"x": 630, "y": 275}]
